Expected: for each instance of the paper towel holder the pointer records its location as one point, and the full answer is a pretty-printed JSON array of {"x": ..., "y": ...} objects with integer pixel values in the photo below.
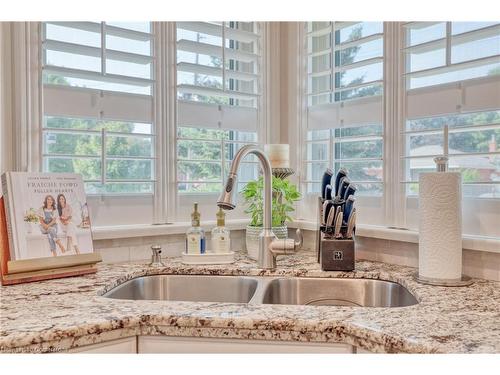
[
  {"x": 442, "y": 166},
  {"x": 464, "y": 281}
]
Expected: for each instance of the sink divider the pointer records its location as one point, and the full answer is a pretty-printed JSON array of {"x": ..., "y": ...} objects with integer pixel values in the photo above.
[{"x": 262, "y": 284}]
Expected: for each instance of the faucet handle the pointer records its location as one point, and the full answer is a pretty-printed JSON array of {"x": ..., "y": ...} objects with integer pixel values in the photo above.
[
  {"x": 286, "y": 246},
  {"x": 156, "y": 249},
  {"x": 300, "y": 239},
  {"x": 156, "y": 256}
]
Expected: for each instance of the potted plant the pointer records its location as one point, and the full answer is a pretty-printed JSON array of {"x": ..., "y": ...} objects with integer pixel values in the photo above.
[{"x": 284, "y": 195}]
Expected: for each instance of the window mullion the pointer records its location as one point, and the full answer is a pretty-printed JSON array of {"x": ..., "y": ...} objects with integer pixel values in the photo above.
[
  {"x": 223, "y": 158},
  {"x": 223, "y": 56},
  {"x": 103, "y": 48},
  {"x": 332, "y": 150},
  {"x": 448, "y": 43},
  {"x": 332, "y": 63},
  {"x": 103, "y": 156}
]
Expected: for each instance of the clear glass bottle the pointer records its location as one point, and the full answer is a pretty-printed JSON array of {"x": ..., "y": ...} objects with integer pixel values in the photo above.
[
  {"x": 195, "y": 236},
  {"x": 221, "y": 235}
]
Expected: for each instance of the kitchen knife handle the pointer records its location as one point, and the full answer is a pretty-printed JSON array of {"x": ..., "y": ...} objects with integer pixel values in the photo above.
[
  {"x": 351, "y": 189},
  {"x": 338, "y": 225},
  {"x": 351, "y": 224},
  {"x": 331, "y": 216},
  {"x": 328, "y": 192},
  {"x": 341, "y": 173},
  {"x": 326, "y": 180},
  {"x": 343, "y": 187},
  {"x": 349, "y": 204}
]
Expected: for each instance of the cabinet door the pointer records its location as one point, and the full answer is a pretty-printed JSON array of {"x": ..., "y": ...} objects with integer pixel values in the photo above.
[
  {"x": 122, "y": 346},
  {"x": 363, "y": 351},
  {"x": 165, "y": 344}
]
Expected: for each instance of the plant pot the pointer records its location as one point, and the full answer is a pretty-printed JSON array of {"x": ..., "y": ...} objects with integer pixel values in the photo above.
[
  {"x": 31, "y": 227},
  {"x": 252, "y": 238}
]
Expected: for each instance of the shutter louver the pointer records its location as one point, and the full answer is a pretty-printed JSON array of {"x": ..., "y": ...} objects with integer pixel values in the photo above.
[
  {"x": 457, "y": 62},
  {"x": 345, "y": 74},
  {"x": 218, "y": 74}
]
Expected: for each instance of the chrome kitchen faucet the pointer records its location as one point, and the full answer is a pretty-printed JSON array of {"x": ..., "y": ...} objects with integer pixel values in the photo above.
[{"x": 269, "y": 245}]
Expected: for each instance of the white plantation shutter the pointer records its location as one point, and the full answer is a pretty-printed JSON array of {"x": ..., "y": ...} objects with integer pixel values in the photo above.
[
  {"x": 218, "y": 74},
  {"x": 452, "y": 78},
  {"x": 218, "y": 102},
  {"x": 98, "y": 104},
  {"x": 359, "y": 112},
  {"x": 344, "y": 74},
  {"x": 91, "y": 56},
  {"x": 345, "y": 67},
  {"x": 457, "y": 62}
]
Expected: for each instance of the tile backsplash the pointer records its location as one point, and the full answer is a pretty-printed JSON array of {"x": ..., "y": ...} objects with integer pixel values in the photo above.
[
  {"x": 139, "y": 248},
  {"x": 479, "y": 264}
]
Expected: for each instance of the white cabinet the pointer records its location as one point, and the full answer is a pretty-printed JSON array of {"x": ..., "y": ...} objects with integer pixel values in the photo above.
[
  {"x": 122, "y": 346},
  {"x": 166, "y": 344},
  {"x": 363, "y": 351}
]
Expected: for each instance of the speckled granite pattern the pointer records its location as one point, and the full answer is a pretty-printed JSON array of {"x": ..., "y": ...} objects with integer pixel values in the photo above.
[{"x": 66, "y": 313}]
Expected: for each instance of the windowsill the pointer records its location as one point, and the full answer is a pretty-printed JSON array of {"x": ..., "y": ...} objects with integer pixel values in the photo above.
[
  {"x": 479, "y": 243},
  {"x": 487, "y": 244},
  {"x": 146, "y": 230}
]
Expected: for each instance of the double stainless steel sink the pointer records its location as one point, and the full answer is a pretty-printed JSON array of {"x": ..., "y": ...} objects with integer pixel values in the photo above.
[{"x": 266, "y": 290}]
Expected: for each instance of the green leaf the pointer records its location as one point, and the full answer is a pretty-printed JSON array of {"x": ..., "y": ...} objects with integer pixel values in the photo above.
[{"x": 284, "y": 195}]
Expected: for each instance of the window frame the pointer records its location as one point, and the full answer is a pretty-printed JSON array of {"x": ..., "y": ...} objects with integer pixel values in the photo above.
[
  {"x": 377, "y": 210},
  {"x": 396, "y": 203},
  {"x": 183, "y": 202},
  {"x": 93, "y": 103},
  {"x": 164, "y": 204},
  {"x": 481, "y": 207},
  {"x": 121, "y": 209}
]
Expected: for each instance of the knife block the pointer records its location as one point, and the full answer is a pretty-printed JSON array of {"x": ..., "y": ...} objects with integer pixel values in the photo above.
[
  {"x": 336, "y": 255},
  {"x": 333, "y": 254}
]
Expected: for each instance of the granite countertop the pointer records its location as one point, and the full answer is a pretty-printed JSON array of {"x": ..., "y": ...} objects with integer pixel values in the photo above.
[{"x": 66, "y": 313}]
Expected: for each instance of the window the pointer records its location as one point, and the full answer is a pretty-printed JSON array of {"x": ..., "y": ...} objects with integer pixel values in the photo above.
[
  {"x": 218, "y": 99},
  {"x": 358, "y": 149},
  {"x": 204, "y": 157},
  {"x": 344, "y": 61},
  {"x": 98, "y": 104},
  {"x": 344, "y": 65},
  {"x": 452, "y": 77},
  {"x": 474, "y": 150},
  {"x": 444, "y": 52}
]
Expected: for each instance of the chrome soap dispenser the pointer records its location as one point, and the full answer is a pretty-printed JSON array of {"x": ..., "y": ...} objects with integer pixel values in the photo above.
[{"x": 195, "y": 236}]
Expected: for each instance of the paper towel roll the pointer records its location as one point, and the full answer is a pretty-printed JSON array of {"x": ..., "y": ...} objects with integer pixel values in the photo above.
[{"x": 440, "y": 226}]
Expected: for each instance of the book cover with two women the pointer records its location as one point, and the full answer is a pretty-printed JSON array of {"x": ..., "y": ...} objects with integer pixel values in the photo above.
[{"x": 47, "y": 215}]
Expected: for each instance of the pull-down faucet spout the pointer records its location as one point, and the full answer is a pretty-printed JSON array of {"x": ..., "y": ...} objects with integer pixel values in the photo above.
[{"x": 269, "y": 245}]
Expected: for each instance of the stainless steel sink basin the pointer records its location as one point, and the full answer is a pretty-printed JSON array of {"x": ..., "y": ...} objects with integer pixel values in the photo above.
[
  {"x": 337, "y": 292},
  {"x": 187, "y": 288},
  {"x": 266, "y": 290}
]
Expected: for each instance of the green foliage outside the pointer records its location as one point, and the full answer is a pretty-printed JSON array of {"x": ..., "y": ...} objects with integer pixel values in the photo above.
[
  {"x": 347, "y": 56},
  {"x": 89, "y": 147}
]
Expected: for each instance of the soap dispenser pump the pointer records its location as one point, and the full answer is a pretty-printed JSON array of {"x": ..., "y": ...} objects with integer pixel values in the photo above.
[
  {"x": 195, "y": 236},
  {"x": 220, "y": 234}
]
